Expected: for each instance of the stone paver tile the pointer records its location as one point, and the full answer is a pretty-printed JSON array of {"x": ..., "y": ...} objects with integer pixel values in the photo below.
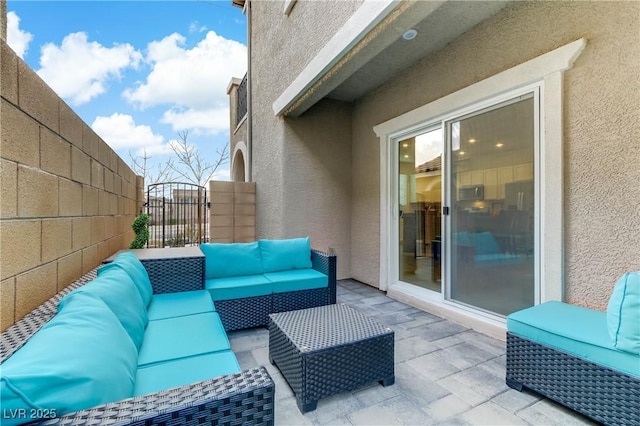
[
  {"x": 333, "y": 408},
  {"x": 482, "y": 382},
  {"x": 376, "y": 393},
  {"x": 441, "y": 329},
  {"x": 393, "y": 319},
  {"x": 489, "y": 344},
  {"x": 395, "y": 411},
  {"x": 416, "y": 387},
  {"x": 246, "y": 360},
  {"x": 488, "y": 414},
  {"x": 390, "y": 307},
  {"x": 464, "y": 355},
  {"x": 348, "y": 297},
  {"x": 461, "y": 390},
  {"x": 447, "y": 407},
  {"x": 546, "y": 412},
  {"x": 412, "y": 347},
  {"x": 248, "y": 339},
  {"x": 433, "y": 366},
  {"x": 514, "y": 401},
  {"x": 376, "y": 300},
  {"x": 287, "y": 413}
]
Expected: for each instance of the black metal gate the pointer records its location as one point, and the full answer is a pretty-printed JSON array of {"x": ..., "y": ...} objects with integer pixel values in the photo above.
[{"x": 177, "y": 214}]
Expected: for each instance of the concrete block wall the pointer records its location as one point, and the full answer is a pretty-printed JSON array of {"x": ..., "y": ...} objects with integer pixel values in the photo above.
[
  {"x": 67, "y": 200},
  {"x": 233, "y": 212}
]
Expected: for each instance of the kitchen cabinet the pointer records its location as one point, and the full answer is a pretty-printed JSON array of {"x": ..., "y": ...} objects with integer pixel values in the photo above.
[{"x": 496, "y": 179}]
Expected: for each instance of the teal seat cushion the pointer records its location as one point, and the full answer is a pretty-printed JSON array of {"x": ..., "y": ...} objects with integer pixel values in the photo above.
[
  {"x": 117, "y": 290},
  {"x": 181, "y": 337},
  {"x": 485, "y": 243},
  {"x": 623, "y": 313},
  {"x": 169, "y": 305},
  {"x": 83, "y": 357},
  {"x": 230, "y": 260},
  {"x": 297, "y": 279},
  {"x": 284, "y": 255},
  {"x": 575, "y": 330},
  {"x": 238, "y": 287},
  {"x": 183, "y": 371},
  {"x": 128, "y": 262}
]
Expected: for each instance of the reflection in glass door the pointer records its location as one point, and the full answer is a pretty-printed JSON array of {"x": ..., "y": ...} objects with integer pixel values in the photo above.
[
  {"x": 491, "y": 227},
  {"x": 420, "y": 199}
]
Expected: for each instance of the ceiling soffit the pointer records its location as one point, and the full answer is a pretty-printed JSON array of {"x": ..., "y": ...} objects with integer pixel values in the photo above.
[{"x": 382, "y": 52}]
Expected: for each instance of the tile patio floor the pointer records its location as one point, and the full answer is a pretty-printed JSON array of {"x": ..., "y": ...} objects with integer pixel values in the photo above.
[{"x": 446, "y": 374}]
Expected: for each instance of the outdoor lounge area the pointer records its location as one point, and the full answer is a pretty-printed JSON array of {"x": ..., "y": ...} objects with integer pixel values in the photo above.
[{"x": 194, "y": 363}]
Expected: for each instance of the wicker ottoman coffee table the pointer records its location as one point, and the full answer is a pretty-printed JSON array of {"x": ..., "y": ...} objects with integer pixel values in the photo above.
[{"x": 330, "y": 349}]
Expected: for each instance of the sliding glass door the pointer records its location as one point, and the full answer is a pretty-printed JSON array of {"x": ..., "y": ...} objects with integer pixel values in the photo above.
[
  {"x": 466, "y": 203},
  {"x": 492, "y": 207}
]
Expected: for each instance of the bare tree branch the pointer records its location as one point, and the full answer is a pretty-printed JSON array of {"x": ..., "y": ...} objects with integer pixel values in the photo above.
[
  {"x": 140, "y": 167},
  {"x": 191, "y": 164}
]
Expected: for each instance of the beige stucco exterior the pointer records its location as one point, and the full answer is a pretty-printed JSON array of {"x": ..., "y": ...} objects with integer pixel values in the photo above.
[
  {"x": 67, "y": 200},
  {"x": 319, "y": 174}
]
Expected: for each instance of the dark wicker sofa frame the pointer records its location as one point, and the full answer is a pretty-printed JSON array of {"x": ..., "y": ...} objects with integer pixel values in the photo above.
[
  {"x": 245, "y": 398},
  {"x": 603, "y": 394},
  {"x": 248, "y": 312}
]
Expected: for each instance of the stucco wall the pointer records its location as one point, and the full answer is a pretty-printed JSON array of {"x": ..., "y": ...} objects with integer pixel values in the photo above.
[
  {"x": 67, "y": 200},
  {"x": 297, "y": 169},
  {"x": 601, "y": 129}
]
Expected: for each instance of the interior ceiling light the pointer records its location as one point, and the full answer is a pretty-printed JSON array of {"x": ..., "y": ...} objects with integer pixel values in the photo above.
[
  {"x": 499, "y": 145},
  {"x": 461, "y": 153},
  {"x": 472, "y": 141},
  {"x": 410, "y": 34},
  {"x": 405, "y": 145}
]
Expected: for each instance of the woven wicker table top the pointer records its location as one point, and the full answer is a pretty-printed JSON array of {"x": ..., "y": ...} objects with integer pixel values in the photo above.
[{"x": 327, "y": 326}]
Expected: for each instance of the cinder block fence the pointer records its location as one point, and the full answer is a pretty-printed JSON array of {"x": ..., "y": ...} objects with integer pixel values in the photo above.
[{"x": 67, "y": 199}]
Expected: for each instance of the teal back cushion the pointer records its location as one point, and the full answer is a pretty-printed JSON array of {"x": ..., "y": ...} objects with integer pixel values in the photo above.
[
  {"x": 83, "y": 357},
  {"x": 117, "y": 290},
  {"x": 623, "y": 313},
  {"x": 285, "y": 255},
  {"x": 128, "y": 262},
  {"x": 231, "y": 260},
  {"x": 485, "y": 243}
]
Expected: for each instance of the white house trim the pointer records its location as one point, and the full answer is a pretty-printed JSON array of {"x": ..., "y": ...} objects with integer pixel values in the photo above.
[
  {"x": 546, "y": 72},
  {"x": 355, "y": 29}
]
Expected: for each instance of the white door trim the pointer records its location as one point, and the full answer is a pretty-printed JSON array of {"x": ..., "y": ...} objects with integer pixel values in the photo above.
[{"x": 545, "y": 70}]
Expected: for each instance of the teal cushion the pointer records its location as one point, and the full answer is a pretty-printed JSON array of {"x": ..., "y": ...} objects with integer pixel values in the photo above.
[
  {"x": 170, "y": 305},
  {"x": 117, "y": 290},
  {"x": 284, "y": 255},
  {"x": 485, "y": 243},
  {"x": 573, "y": 329},
  {"x": 128, "y": 262},
  {"x": 81, "y": 358},
  {"x": 238, "y": 287},
  {"x": 182, "y": 337},
  {"x": 184, "y": 371},
  {"x": 623, "y": 313},
  {"x": 231, "y": 260},
  {"x": 298, "y": 279}
]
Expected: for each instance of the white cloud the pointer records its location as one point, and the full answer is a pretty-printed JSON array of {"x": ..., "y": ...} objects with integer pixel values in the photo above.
[
  {"x": 79, "y": 70},
  {"x": 122, "y": 133},
  {"x": 17, "y": 39},
  {"x": 193, "y": 82},
  {"x": 195, "y": 27},
  {"x": 212, "y": 120}
]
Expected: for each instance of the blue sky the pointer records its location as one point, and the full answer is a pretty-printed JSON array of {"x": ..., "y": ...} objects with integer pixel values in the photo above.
[{"x": 138, "y": 72}]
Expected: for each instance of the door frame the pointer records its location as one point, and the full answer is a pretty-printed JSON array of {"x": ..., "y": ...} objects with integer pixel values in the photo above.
[{"x": 546, "y": 72}]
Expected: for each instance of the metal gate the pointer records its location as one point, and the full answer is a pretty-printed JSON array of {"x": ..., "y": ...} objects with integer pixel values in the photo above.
[{"x": 177, "y": 214}]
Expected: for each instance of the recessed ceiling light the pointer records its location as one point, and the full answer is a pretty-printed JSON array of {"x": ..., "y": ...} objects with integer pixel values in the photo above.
[
  {"x": 410, "y": 34},
  {"x": 406, "y": 156},
  {"x": 499, "y": 145},
  {"x": 461, "y": 153},
  {"x": 472, "y": 141},
  {"x": 405, "y": 145}
]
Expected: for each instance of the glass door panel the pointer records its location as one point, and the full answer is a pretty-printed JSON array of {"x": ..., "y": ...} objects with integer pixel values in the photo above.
[
  {"x": 420, "y": 200},
  {"x": 492, "y": 207}
]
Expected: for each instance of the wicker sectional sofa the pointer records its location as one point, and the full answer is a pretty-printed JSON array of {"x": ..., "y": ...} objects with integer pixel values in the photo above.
[
  {"x": 584, "y": 359},
  {"x": 249, "y": 281},
  {"x": 138, "y": 341}
]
